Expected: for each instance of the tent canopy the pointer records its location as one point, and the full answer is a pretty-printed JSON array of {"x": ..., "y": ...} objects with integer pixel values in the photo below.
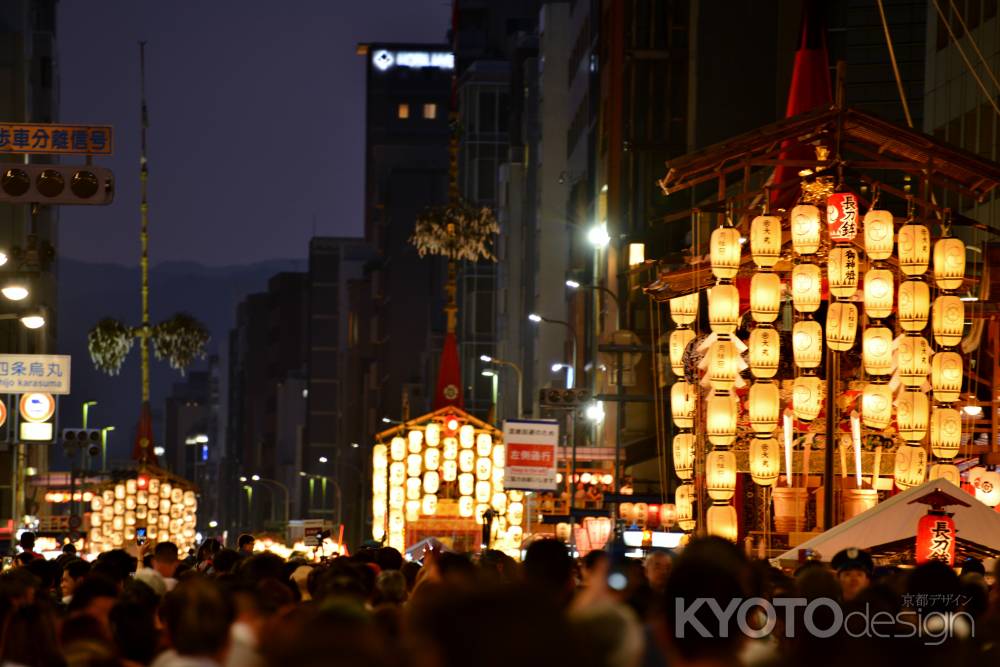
[{"x": 895, "y": 520}]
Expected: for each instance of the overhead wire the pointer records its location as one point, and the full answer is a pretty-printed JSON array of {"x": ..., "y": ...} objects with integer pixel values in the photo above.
[{"x": 965, "y": 58}]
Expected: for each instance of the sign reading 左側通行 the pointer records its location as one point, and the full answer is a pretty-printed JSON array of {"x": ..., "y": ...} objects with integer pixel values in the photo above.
[
  {"x": 54, "y": 138},
  {"x": 26, "y": 373},
  {"x": 530, "y": 449}
]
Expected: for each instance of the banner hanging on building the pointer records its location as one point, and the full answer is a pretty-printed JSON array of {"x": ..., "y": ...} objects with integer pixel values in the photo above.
[{"x": 531, "y": 454}]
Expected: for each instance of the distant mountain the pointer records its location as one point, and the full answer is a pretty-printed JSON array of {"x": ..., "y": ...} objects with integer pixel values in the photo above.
[{"x": 89, "y": 292}]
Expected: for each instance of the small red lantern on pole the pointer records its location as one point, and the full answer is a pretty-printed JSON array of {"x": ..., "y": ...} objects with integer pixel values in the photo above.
[{"x": 936, "y": 534}]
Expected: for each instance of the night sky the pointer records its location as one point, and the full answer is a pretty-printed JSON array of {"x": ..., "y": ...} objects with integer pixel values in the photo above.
[{"x": 256, "y": 120}]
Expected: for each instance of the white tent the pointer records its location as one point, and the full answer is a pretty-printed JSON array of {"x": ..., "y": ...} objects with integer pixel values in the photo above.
[{"x": 896, "y": 519}]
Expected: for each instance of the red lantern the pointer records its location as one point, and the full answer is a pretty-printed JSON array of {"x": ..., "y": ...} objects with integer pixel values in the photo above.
[
  {"x": 842, "y": 216},
  {"x": 936, "y": 538}
]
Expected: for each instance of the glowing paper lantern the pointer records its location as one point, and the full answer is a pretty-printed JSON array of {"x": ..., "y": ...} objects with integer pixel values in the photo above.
[
  {"x": 428, "y": 506},
  {"x": 948, "y": 320},
  {"x": 842, "y": 216},
  {"x": 946, "y": 471},
  {"x": 764, "y": 407},
  {"x": 484, "y": 491},
  {"x": 878, "y": 293},
  {"x": 722, "y": 363},
  {"x": 414, "y": 465},
  {"x": 379, "y": 462},
  {"x": 432, "y": 458},
  {"x": 910, "y": 467},
  {"x": 805, "y": 228},
  {"x": 988, "y": 491},
  {"x": 466, "y": 460},
  {"x": 723, "y": 308},
  {"x": 466, "y": 484},
  {"x": 682, "y": 403},
  {"x": 914, "y": 305},
  {"x": 877, "y": 351},
  {"x": 397, "y": 448},
  {"x": 843, "y": 269},
  {"x": 720, "y": 474},
  {"x": 484, "y": 444},
  {"x": 484, "y": 468},
  {"x": 413, "y": 488},
  {"x": 415, "y": 441},
  {"x": 876, "y": 405},
  {"x": 841, "y": 326},
  {"x": 946, "y": 376},
  {"x": 914, "y": 249},
  {"x": 668, "y": 515},
  {"x": 679, "y": 340},
  {"x": 949, "y": 263},
  {"x": 946, "y": 432},
  {"x": 807, "y": 285},
  {"x": 721, "y": 412},
  {"x": 913, "y": 360},
  {"x": 724, "y": 252},
  {"x": 912, "y": 415},
  {"x": 499, "y": 460},
  {"x": 684, "y": 455},
  {"x": 936, "y": 538},
  {"x": 807, "y": 397},
  {"x": 413, "y": 510},
  {"x": 765, "y": 461},
  {"x": 807, "y": 343},
  {"x": 431, "y": 482},
  {"x": 684, "y": 309},
  {"x": 397, "y": 473},
  {"x": 764, "y": 352},
  {"x": 765, "y": 297},
  {"x": 466, "y": 436},
  {"x": 432, "y": 434},
  {"x": 449, "y": 470},
  {"x": 721, "y": 522},
  {"x": 450, "y": 449},
  {"x": 878, "y": 234},
  {"x": 765, "y": 240},
  {"x": 684, "y": 502}
]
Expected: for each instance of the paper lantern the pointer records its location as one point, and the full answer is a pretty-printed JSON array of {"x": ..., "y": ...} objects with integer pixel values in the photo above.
[
  {"x": 679, "y": 340},
  {"x": 414, "y": 465},
  {"x": 914, "y": 249},
  {"x": 721, "y": 412},
  {"x": 877, "y": 351},
  {"x": 948, "y": 320},
  {"x": 683, "y": 396},
  {"x": 945, "y": 471},
  {"x": 432, "y": 482},
  {"x": 432, "y": 458},
  {"x": 765, "y": 240},
  {"x": 807, "y": 288},
  {"x": 805, "y": 227},
  {"x": 466, "y": 436},
  {"x": 946, "y": 376},
  {"x": 432, "y": 434},
  {"x": 807, "y": 397},
  {"x": 466, "y": 460},
  {"x": 764, "y": 352},
  {"x": 413, "y": 509},
  {"x": 415, "y": 441},
  {"x": 876, "y": 405},
  {"x": 841, "y": 326},
  {"x": 668, "y": 515},
  {"x": 484, "y": 444},
  {"x": 936, "y": 538},
  {"x": 466, "y": 483},
  {"x": 397, "y": 473},
  {"x": 807, "y": 343},
  {"x": 764, "y": 407},
  {"x": 449, "y": 470},
  {"x": 843, "y": 268},
  {"x": 722, "y": 363},
  {"x": 450, "y": 449},
  {"x": 484, "y": 491},
  {"x": 720, "y": 521},
  {"x": 910, "y": 467},
  {"x": 723, "y": 308},
  {"x": 946, "y": 432},
  {"x": 988, "y": 491},
  {"x": 720, "y": 474},
  {"x": 684, "y": 455},
  {"x": 878, "y": 234},
  {"x": 842, "y": 216},
  {"x": 413, "y": 488},
  {"x": 878, "y": 293},
  {"x": 914, "y": 304},
  {"x": 498, "y": 454},
  {"x": 515, "y": 513},
  {"x": 379, "y": 459},
  {"x": 765, "y": 297},
  {"x": 684, "y": 502},
  {"x": 428, "y": 506},
  {"x": 912, "y": 415},
  {"x": 765, "y": 461},
  {"x": 949, "y": 263},
  {"x": 913, "y": 360},
  {"x": 724, "y": 252},
  {"x": 684, "y": 309},
  {"x": 484, "y": 468},
  {"x": 397, "y": 449}
]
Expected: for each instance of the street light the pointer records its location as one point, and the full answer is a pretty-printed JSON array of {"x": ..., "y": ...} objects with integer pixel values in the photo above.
[
  {"x": 255, "y": 478},
  {"x": 243, "y": 478},
  {"x": 159, "y": 451},
  {"x": 284, "y": 489},
  {"x": 14, "y": 290},
  {"x": 573, "y": 284},
  {"x": 485, "y": 358},
  {"x": 33, "y": 320},
  {"x": 595, "y": 412},
  {"x": 535, "y": 317},
  {"x": 569, "y": 373},
  {"x": 598, "y": 235},
  {"x": 86, "y": 411},
  {"x": 104, "y": 447},
  {"x": 323, "y": 459}
]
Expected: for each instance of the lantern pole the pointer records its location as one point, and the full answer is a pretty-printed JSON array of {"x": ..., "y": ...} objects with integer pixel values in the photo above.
[{"x": 832, "y": 371}]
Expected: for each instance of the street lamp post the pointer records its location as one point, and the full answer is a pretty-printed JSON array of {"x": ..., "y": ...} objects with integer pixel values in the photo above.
[
  {"x": 86, "y": 411},
  {"x": 104, "y": 447},
  {"x": 284, "y": 489},
  {"x": 520, "y": 378},
  {"x": 573, "y": 284},
  {"x": 535, "y": 317}
]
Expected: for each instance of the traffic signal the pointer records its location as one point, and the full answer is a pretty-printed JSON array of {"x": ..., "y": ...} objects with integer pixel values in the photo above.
[
  {"x": 83, "y": 437},
  {"x": 56, "y": 184},
  {"x": 555, "y": 397}
]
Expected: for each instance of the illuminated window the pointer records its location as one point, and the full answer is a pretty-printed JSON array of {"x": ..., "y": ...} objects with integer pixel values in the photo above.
[
  {"x": 403, "y": 111},
  {"x": 430, "y": 111}
]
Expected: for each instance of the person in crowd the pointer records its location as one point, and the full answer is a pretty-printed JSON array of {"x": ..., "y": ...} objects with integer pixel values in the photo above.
[
  {"x": 73, "y": 574},
  {"x": 164, "y": 568},
  {"x": 548, "y": 568},
  {"x": 27, "y": 544},
  {"x": 197, "y": 619},
  {"x": 245, "y": 544},
  {"x": 95, "y": 596},
  {"x": 854, "y": 571},
  {"x": 657, "y": 565},
  {"x": 300, "y": 581}
]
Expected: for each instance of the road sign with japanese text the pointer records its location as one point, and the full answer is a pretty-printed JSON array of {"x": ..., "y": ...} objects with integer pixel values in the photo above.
[
  {"x": 55, "y": 139},
  {"x": 531, "y": 454},
  {"x": 27, "y": 373}
]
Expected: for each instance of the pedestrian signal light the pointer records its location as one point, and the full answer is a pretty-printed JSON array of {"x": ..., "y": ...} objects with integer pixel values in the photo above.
[{"x": 56, "y": 184}]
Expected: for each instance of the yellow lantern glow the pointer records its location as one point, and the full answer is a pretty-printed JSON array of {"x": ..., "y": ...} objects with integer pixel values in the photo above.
[
  {"x": 484, "y": 444},
  {"x": 515, "y": 513},
  {"x": 912, "y": 409},
  {"x": 431, "y": 482},
  {"x": 843, "y": 270},
  {"x": 397, "y": 473},
  {"x": 805, "y": 227},
  {"x": 878, "y": 293},
  {"x": 449, "y": 471},
  {"x": 428, "y": 506},
  {"x": 722, "y": 363},
  {"x": 765, "y": 297},
  {"x": 876, "y": 405},
  {"x": 988, "y": 491},
  {"x": 415, "y": 441},
  {"x": 946, "y": 376},
  {"x": 724, "y": 252},
  {"x": 668, "y": 515},
  {"x": 721, "y": 414},
  {"x": 765, "y": 461},
  {"x": 807, "y": 343},
  {"x": 945, "y": 471},
  {"x": 684, "y": 503},
  {"x": 413, "y": 510},
  {"x": 914, "y": 304},
  {"x": 466, "y": 484},
  {"x": 432, "y": 434},
  {"x": 946, "y": 432},
  {"x": 466, "y": 436},
  {"x": 484, "y": 491},
  {"x": 450, "y": 449},
  {"x": 878, "y": 234},
  {"x": 721, "y": 522},
  {"x": 807, "y": 397},
  {"x": 807, "y": 285},
  {"x": 764, "y": 406},
  {"x": 484, "y": 468},
  {"x": 948, "y": 320},
  {"x": 684, "y": 455},
  {"x": 682, "y": 403},
  {"x": 841, "y": 326},
  {"x": 684, "y": 309},
  {"x": 379, "y": 458},
  {"x": 432, "y": 458},
  {"x": 499, "y": 502},
  {"x": 720, "y": 474},
  {"x": 877, "y": 350},
  {"x": 765, "y": 240},
  {"x": 413, "y": 488},
  {"x": 949, "y": 263},
  {"x": 723, "y": 308},
  {"x": 414, "y": 465},
  {"x": 679, "y": 339},
  {"x": 765, "y": 352},
  {"x": 910, "y": 467},
  {"x": 397, "y": 449},
  {"x": 914, "y": 249},
  {"x": 466, "y": 460},
  {"x": 119, "y": 492},
  {"x": 913, "y": 359}
]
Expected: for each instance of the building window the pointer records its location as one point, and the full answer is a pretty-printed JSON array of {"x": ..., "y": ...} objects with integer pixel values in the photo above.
[
  {"x": 430, "y": 111},
  {"x": 403, "y": 111}
]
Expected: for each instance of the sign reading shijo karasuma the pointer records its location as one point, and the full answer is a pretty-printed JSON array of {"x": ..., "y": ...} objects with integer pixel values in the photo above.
[
  {"x": 27, "y": 373},
  {"x": 530, "y": 450}
]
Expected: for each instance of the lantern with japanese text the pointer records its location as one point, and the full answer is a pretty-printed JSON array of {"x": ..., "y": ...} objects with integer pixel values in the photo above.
[
  {"x": 679, "y": 340},
  {"x": 948, "y": 320},
  {"x": 684, "y": 455},
  {"x": 805, "y": 229},
  {"x": 722, "y": 363},
  {"x": 765, "y": 240},
  {"x": 913, "y": 360},
  {"x": 765, "y": 352},
  {"x": 807, "y": 284},
  {"x": 765, "y": 461},
  {"x": 684, "y": 309},
  {"x": 910, "y": 467},
  {"x": 720, "y": 474},
  {"x": 912, "y": 415},
  {"x": 914, "y": 305},
  {"x": 949, "y": 263},
  {"x": 946, "y": 376},
  {"x": 878, "y": 234},
  {"x": 841, "y": 325},
  {"x": 877, "y": 346},
  {"x": 807, "y": 397},
  {"x": 684, "y": 503},
  {"x": 765, "y": 297},
  {"x": 914, "y": 249},
  {"x": 724, "y": 250},
  {"x": 946, "y": 432},
  {"x": 842, "y": 216},
  {"x": 936, "y": 538},
  {"x": 807, "y": 343},
  {"x": 764, "y": 407},
  {"x": 843, "y": 271},
  {"x": 683, "y": 397}
]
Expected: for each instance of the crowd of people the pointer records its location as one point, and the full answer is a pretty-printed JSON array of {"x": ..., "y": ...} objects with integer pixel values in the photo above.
[{"x": 150, "y": 605}]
